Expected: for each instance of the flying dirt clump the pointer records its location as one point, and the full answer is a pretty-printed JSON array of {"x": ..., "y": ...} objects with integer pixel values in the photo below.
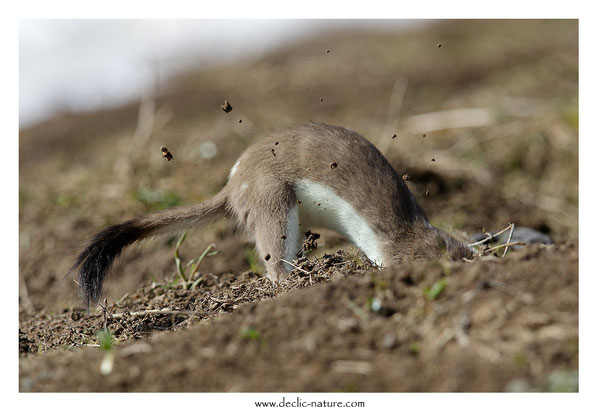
[
  {"x": 226, "y": 106},
  {"x": 311, "y": 241},
  {"x": 166, "y": 154}
]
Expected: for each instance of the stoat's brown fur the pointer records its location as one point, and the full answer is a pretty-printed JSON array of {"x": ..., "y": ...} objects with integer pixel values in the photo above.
[{"x": 281, "y": 186}]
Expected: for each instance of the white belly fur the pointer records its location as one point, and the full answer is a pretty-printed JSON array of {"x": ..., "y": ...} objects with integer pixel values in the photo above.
[{"x": 322, "y": 207}]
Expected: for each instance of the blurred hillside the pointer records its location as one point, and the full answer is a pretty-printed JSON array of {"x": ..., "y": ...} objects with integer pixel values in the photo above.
[{"x": 485, "y": 113}]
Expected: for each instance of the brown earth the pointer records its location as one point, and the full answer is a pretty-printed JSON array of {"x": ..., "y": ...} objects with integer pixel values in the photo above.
[{"x": 497, "y": 323}]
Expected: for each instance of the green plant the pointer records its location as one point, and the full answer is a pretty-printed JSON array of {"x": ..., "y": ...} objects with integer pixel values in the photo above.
[
  {"x": 520, "y": 360},
  {"x": 414, "y": 348},
  {"x": 433, "y": 292},
  {"x": 105, "y": 340},
  {"x": 251, "y": 333},
  {"x": 186, "y": 276}
]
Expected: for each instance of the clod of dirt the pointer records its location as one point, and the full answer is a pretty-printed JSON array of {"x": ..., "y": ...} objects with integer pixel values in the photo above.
[
  {"x": 226, "y": 106},
  {"x": 166, "y": 154},
  {"x": 333, "y": 165},
  {"x": 310, "y": 243}
]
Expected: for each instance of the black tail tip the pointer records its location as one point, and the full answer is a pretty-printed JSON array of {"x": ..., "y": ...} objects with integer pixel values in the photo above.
[{"x": 94, "y": 262}]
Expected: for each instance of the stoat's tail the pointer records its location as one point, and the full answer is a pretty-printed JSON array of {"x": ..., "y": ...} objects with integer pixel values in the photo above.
[{"x": 96, "y": 259}]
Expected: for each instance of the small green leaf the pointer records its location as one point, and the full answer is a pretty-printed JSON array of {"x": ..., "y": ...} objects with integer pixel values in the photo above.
[
  {"x": 414, "y": 348},
  {"x": 105, "y": 339},
  {"x": 436, "y": 289},
  {"x": 177, "y": 259},
  {"x": 250, "y": 333}
]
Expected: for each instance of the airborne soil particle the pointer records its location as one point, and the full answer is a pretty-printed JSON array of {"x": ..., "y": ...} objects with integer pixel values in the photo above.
[
  {"x": 311, "y": 241},
  {"x": 226, "y": 106},
  {"x": 166, "y": 154}
]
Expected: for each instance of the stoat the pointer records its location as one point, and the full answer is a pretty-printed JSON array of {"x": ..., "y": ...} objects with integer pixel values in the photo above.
[{"x": 312, "y": 176}]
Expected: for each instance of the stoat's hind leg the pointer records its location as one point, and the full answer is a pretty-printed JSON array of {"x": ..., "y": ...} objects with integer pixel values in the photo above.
[{"x": 277, "y": 232}]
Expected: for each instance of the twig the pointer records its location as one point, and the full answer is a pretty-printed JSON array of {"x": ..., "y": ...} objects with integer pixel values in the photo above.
[
  {"x": 219, "y": 300},
  {"x": 489, "y": 237},
  {"x": 509, "y": 239},
  {"x": 503, "y": 245},
  {"x": 105, "y": 313},
  {"x": 126, "y": 295},
  {"x": 296, "y": 267},
  {"x": 161, "y": 312}
]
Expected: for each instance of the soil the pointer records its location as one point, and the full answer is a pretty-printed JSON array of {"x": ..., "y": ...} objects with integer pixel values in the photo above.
[{"x": 336, "y": 324}]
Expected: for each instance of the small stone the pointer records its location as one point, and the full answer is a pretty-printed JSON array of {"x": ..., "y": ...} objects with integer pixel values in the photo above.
[{"x": 389, "y": 340}]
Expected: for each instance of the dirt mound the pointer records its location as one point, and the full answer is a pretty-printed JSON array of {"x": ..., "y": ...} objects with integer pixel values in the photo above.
[
  {"x": 494, "y": 325},
  {"x": 173, "y": 304}
]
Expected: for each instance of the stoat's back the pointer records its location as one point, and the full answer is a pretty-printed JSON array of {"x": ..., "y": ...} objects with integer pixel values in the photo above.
[{"x": 338, "y": 159}]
